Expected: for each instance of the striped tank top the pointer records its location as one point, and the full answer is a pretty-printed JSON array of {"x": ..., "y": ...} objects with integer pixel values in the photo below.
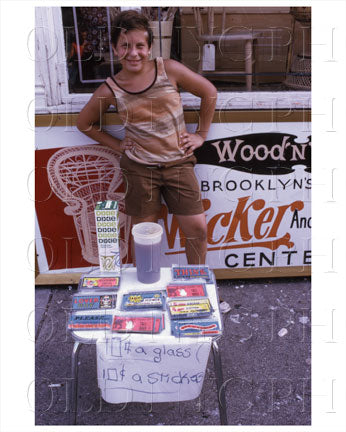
[{"x": 153, "y": 118}]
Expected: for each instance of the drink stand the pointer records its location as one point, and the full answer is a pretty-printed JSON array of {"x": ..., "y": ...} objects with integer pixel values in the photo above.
[{"x": 165, "y": 362}]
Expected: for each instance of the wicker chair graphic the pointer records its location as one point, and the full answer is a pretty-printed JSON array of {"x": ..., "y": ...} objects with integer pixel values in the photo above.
[{"x": 81, "y": 176}]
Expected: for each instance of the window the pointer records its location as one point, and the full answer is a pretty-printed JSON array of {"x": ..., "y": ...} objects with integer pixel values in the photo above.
[
  {"x": 87, "y": 46},
  {"x": 246, "y": 52}
]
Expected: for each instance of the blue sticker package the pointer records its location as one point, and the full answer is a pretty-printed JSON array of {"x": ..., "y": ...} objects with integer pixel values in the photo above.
[
  {"x": 145, "y": 299},
  {"x": 190, "y": 272},
  {"x": 195, "y": 328},
  {"x": 92, "y": 302},
  {"x": 89, "y": 322}
]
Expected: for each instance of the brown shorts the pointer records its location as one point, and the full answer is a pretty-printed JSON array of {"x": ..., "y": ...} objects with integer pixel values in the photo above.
[{"x": 145, "y": 184}]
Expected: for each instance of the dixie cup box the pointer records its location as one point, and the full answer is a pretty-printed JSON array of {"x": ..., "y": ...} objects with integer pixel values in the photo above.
[{"x": 107, "y": 231}]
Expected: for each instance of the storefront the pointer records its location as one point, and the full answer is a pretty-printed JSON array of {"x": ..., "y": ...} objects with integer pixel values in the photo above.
[{"x": 254, "y": 169}]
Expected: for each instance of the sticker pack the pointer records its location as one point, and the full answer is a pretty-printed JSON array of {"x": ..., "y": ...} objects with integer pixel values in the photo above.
[
  {"x": 195, "y": 328},
  {"x": 186, "y": 290},
  {"x": 99, "y": 283},
  {"x": 89, "y": 322},
  {"x": 189, "y": 308},
  {"x": 192, "y": 272},
  {"x": 138, "y": 324},
  {"x": 88, "y": 302},
  {"x": 146, "y": 299}
]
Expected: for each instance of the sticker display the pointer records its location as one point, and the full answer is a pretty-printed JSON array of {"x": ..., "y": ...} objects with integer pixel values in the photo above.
[
  {"x": 87, "y": 302},
  {"x": 192, "y": 272},
  {"x": 138, "y": 300},
  {"x": 196, "y": 308},
  {"x": 138, "y": 324},
  {"x": 186, "y": 290},
  {"x": 89, "y": 322},
  {"x": 108, "y": 231},
  {"x": 195, "y": 328}
]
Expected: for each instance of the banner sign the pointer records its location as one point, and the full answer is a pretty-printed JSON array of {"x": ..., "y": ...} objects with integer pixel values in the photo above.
[{"x": 256, "y": 191}]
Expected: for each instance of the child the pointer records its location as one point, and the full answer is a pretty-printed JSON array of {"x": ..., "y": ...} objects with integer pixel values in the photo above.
[{"x": 157, "y": 151}]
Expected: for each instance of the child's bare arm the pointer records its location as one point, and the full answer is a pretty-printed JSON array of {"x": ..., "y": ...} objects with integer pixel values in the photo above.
[
  {"x": 201, "y": 87},
  {"x": 89, "y": 120}
]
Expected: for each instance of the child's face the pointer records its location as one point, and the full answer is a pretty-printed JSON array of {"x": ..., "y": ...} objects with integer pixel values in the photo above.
[{"x": 133, "y": 50}]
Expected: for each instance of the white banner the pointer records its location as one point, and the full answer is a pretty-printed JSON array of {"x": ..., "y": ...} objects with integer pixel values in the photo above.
[
  {"x": 255, "y": 181},
  {"x": 256, "y": 190}
]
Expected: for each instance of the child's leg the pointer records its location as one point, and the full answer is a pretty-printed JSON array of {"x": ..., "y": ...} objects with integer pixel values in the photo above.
[{"x": 194, "y": 228}]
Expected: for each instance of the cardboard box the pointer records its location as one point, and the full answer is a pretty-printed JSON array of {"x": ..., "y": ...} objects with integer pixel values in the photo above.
[{"x": 107, "y": 230}]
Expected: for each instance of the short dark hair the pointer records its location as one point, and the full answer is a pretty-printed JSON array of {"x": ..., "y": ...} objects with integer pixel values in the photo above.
[{"x": 130, "y": 20}]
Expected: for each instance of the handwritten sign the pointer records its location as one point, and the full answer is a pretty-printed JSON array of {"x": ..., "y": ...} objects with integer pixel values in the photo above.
[{"x": 137, "y": 369}]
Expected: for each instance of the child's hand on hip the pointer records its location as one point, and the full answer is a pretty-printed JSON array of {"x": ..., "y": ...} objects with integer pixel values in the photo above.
[
  {"x": 190, "y": 142},
  {"x": 127, "y": 144}
]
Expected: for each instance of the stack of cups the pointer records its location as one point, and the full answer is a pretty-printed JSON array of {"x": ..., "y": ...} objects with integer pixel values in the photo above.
[{"x": 147, "y": 238}]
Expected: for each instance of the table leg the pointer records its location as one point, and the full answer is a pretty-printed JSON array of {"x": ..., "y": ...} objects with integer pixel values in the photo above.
[
  {"x": 74, "y": 383},
  {"x": 248, "y": 64},
  {"x": 219, "y": 383}
]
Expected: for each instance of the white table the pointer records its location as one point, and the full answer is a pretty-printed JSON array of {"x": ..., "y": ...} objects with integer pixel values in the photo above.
[{"x": 103, "y": 339}]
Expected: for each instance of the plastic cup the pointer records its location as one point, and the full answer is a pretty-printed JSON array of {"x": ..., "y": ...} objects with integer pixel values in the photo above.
[{"x": 147, "y": 238}]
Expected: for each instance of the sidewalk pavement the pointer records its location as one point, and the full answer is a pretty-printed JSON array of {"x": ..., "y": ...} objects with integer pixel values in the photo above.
[{"x": 266, "y": 362}]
